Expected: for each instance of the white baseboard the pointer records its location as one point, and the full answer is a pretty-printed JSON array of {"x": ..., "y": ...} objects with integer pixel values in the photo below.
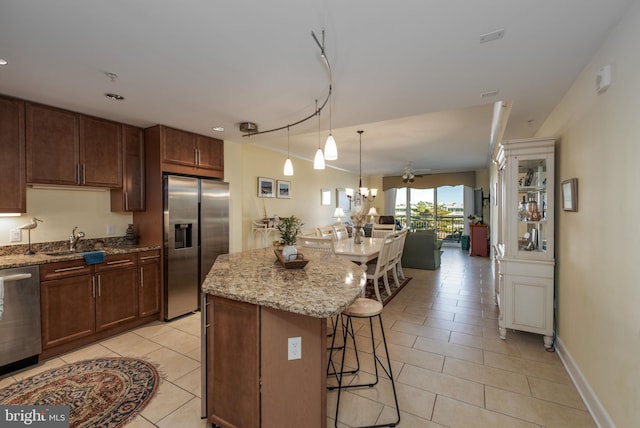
[{"x": 598, "y": 412}]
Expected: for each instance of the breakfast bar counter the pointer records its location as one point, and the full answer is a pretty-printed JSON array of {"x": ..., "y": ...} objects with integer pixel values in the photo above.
[{"x": 264, "y": 337}]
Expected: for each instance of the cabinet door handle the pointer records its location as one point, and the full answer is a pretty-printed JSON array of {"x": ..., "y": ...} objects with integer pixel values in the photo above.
[
  {"x": 126, "y": 201},
  {"x": 118, "y": 262},
  {"x": 93, "y": 287},
  {"x": 195, "y": 156},
  {"x": 99, "y": 287},
  {"x": 198, "y": 150},
  {"x": 141, "y": 277},
  {"x": 84, "y": 174},
  {"x": 78, "y": 174},
  {"x": 68, "y": 269},
  {"x": 157, "y": 256}
]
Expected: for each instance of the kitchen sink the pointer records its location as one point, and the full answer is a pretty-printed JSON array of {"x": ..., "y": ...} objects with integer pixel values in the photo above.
[{"x": 64, "y": 253}]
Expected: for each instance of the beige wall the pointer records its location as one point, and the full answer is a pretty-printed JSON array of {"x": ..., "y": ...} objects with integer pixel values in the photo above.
[
  {"x": 61, "y": 210},
  {"x": 305, "y": 190},
  {"x": 598, "y": 289}
]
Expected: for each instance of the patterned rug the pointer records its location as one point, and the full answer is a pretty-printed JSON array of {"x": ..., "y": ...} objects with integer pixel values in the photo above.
[
  {"x": 105, "y": 392},
  {"x": 371, "y": 294}
]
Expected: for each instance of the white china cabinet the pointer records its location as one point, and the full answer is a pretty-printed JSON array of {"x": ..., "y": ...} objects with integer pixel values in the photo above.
[{"x": 525, "y": 250}]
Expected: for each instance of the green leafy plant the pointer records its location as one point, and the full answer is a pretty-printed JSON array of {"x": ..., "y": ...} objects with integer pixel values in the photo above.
[{"x": 289, "y": 228}]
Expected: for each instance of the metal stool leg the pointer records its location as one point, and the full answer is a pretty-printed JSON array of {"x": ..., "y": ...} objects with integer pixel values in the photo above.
[{"x": 376, "y": 361}]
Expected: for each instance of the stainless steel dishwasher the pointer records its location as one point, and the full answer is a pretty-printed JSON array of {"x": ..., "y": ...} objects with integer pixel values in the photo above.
[{"x": 20, "y": 337}]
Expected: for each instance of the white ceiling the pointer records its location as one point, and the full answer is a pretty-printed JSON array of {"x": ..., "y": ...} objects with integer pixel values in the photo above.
[{"x": 409, "y": 73}]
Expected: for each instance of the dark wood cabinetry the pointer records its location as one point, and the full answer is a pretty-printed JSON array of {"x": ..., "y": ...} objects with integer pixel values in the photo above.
[
  {"x": 52, "y": 146},
  {"x": 83, "y": 303},
  {"x": 67, "y": 300},
  {"x": 131, "y": 197},
  {"x": 67, "y": 148},
  {"x": 250, "y": 381},
  {"x": 100, "y": 152},
  {"x": 183, "y": 152},
  {"x": 12, "y": 157},
  {"x": 116, "y": 291},
  {"x": 149, "y": 283}
]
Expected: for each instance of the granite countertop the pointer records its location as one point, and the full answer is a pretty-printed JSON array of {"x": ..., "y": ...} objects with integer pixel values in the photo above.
[
  {"x": 324, "y": 287},
  {"x": 41, "y": 257}
]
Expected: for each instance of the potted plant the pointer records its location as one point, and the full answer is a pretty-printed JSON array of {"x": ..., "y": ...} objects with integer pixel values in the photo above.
[{"x": 289, "y": 227}]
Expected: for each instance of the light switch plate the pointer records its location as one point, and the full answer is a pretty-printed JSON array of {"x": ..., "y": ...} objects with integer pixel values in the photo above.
[
  {"x": 295, "y": 348},
  {"x": 111, "y": 229},
  {"x": 15, "y": 235}
]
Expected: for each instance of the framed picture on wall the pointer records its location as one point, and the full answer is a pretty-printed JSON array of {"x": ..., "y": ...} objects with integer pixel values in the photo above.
[
  {"x": 325, "y": 196},
  {"x": 570, "y": 194},
  {"x": 342, "y": 201},
  {"x": 266, "y": 187},
  {"x": 284, "y": 189}
]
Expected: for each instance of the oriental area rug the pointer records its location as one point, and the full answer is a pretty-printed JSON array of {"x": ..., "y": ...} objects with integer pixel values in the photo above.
[
  {"x": 386, "y": 298},
  {"x": 104, "y": 392}
]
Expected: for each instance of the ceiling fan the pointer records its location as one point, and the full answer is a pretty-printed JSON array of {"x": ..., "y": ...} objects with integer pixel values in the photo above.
[{"x": 409, "y": 174}]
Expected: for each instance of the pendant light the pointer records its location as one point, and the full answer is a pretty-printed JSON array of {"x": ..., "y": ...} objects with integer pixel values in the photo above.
[
  {"x": 330, "y": 148},
  {"x": 288, "y": 165},
  {"x": 318, "y": 160}
]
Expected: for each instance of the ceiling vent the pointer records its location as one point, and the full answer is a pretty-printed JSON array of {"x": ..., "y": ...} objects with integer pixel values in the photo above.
[{"x": 494, "y": 35}]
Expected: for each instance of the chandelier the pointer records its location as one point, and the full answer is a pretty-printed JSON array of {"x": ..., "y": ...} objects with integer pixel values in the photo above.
[{"x": 364, "y": 192}]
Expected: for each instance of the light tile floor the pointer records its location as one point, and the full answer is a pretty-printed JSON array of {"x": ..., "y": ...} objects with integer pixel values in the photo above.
[{"x": 451, "y": 368}]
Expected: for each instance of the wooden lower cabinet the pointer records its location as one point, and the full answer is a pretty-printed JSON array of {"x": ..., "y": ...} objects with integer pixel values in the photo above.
[
  {"x": 250, "y": 382},
  {"x": 149, "y": 283},
  {"x": 68, "y": 309},
  {"x": 116, "y": 297},
  {"x": 83, "y": 303}
]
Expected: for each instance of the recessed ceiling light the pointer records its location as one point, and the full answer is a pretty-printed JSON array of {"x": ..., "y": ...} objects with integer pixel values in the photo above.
[
  {"x": 218, "y": 128},
  {"x": 3, "y": 61},
  {"x": 114, "y": 97}
]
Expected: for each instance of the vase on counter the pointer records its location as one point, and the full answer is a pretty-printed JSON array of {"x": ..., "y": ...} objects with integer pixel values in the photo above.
[
  {"x": 358, "y": 234},
  {"x": 289, "y": 252}
]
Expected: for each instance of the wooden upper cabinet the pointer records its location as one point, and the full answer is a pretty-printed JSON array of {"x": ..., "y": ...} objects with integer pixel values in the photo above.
[
  {"x": 67, "y": 148},
  {"x": 100, "y": 152},
  {"x": 183, "y": 152},
  {"x": 52, "y": 145},
  {"x": 12, "y": 157},
  {"x": 179, "y": 147},
  {"x": 210, "y": 153},
  {"x": 131, "y": 197}
]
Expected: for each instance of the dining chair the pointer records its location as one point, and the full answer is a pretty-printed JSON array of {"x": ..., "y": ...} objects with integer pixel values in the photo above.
[
  {"x": 340, "y": 232},
  {"x": 402, "y": 234},
  {"x": 380, "y": 269},
  {"x": 395, "y": 256},
  {"x": 325, "y": 231},
  {"x": 382, "y": 230},
  {"x": 315, "y": 243}
]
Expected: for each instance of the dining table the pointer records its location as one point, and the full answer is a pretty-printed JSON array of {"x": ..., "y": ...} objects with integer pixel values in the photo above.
[{"x": 359, "y": 253}]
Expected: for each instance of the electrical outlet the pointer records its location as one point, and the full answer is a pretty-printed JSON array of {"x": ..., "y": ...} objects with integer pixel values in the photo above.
[
  {"x": 15, "y": 235},
  {"x": 111, "y": 229},
  {"x": 295, "y": 348}
]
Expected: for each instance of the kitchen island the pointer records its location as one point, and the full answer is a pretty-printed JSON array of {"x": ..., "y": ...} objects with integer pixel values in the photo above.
[{"x": 264, "y": 337}]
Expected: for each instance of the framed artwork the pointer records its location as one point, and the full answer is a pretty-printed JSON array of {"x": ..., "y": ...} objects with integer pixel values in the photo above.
[
  {"x": 266, "y": 187},
  {"x": 325, "y": 197},
  {"x": 284, "y": 189},
  {"x": 570, "y": 194},
  {"x": 342, "y": 201}
]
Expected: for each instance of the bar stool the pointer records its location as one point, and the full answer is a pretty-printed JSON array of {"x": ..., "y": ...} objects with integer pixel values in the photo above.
[{"x": 361, "y": 308}]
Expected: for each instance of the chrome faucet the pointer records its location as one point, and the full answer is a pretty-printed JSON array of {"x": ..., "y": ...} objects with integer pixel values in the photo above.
[{"x": 74, "y": 238}]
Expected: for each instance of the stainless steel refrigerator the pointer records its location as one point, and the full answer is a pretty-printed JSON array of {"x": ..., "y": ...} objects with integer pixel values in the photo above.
[{"x": 196, "y": 231}]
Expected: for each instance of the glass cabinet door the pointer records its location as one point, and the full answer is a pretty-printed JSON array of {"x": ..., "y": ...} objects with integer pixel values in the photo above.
[{"x": 533, "y": 231}]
